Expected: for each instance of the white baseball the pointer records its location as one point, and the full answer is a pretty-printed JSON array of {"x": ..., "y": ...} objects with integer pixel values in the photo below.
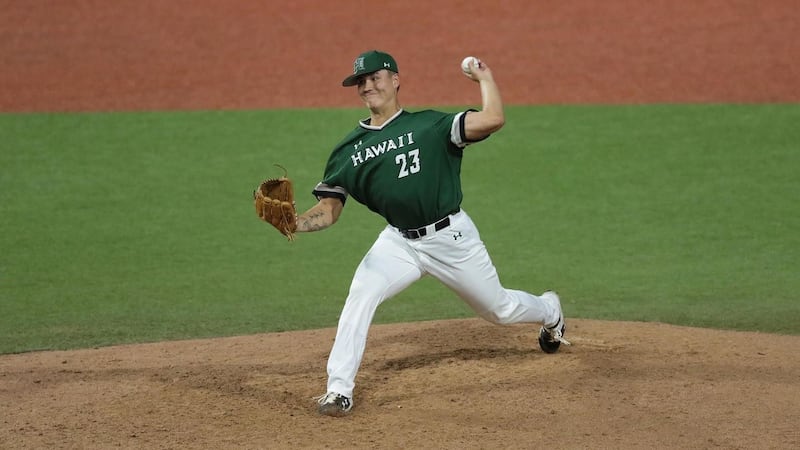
[{"x": 465, "y": 64}]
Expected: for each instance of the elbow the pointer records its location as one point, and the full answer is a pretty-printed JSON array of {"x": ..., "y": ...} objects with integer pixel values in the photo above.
[
  {"x": 481, "y": 124},
  {"x": 335, "y": 210},
  {"x": 497, "y": 121},
  {"x": 501, "y": 121}
]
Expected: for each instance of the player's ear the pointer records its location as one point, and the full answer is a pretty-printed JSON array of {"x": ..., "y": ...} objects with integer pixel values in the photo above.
[{"x": 396, "y": 80}]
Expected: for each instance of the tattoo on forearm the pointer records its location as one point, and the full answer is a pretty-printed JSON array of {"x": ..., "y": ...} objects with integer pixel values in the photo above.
[{"x": 314, "y": 221}]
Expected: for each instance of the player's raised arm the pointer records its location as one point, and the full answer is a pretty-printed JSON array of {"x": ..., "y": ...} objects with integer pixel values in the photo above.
[{"x": 491, "y": 117}]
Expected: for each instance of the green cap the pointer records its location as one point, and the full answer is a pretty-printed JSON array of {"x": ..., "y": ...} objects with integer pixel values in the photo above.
[{"x": 368, "y": 62}]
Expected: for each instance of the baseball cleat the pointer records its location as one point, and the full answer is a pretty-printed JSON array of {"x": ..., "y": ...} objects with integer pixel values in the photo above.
[
  {"x": 550, "y": 338},
  {"x": 333, "y": 404}
]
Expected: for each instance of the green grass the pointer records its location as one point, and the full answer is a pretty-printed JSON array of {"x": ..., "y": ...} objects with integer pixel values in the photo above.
[{"x": 133, "y": 227}]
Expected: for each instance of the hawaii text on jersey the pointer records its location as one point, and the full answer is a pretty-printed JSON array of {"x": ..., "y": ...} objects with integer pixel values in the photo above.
[{"x": 367, "y": 153}]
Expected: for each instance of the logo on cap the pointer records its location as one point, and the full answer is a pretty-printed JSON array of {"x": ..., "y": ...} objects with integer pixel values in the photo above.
[
  {"x": 358, "y": 64},
  {"x": 387, "y": 65}
]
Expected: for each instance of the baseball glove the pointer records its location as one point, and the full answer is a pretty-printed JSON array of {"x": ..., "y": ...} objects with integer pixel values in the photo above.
[{"x": 274, "y": 201}]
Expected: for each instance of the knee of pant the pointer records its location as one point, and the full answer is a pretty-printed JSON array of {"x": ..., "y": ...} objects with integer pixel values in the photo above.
[
  {"x": 364, "y": 297},
  {"x": 497, "y": 317},
  {"x": 361, "y": 290}
]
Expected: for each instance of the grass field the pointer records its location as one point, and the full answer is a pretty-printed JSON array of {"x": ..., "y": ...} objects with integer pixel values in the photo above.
[{"x": 131, "y": 227}]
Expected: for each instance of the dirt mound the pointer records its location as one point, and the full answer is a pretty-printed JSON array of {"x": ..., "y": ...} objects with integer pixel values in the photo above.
[{"x": 439, "y": 384}]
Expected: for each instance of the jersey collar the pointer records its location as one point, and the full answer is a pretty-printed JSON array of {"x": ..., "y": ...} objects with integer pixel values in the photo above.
[{"x": 365, "y": 122}]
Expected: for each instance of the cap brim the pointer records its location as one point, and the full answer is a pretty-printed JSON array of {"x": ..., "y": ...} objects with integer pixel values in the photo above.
[{"x": 350, "y": 81}]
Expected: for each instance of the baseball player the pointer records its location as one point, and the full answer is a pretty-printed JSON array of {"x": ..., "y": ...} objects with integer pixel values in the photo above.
[{"x": 406, "y": 167}]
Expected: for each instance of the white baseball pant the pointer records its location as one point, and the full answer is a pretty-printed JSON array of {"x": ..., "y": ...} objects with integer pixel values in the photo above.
[{"x": 456, "y": 256}]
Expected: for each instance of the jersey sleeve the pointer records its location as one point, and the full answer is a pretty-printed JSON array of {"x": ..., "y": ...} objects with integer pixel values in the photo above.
[
  {"x": 323, "y": 190},
  {"x": 333, "y": 181},
  {"x": 458, "y": 134}
]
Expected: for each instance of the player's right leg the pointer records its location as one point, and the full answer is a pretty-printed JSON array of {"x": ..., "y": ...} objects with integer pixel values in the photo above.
[{"x": 459, "y": 259}]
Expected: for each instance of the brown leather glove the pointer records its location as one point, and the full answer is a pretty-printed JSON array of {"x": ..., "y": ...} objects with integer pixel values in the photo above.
[{"x": 274, "y": 201}]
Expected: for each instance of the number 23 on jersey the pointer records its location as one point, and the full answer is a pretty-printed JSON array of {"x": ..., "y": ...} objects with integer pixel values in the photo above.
[{"x": 408, "y": 162}]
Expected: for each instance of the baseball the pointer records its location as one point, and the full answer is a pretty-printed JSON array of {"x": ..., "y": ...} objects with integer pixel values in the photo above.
[{"x": 465, "y": 64}]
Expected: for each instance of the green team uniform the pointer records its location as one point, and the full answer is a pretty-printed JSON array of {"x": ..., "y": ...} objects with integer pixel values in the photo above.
[{"x": 408, "y": 171}]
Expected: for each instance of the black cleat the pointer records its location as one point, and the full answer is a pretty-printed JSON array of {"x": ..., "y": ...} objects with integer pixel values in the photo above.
[
  {"x": 333, "y": 404},
  {"x": 550, "y": 338}
]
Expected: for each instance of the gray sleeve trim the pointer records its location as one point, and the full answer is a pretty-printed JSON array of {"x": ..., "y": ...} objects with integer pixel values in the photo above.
[
  {"x": 322, "y": 190},
  {"x": 458, "y": 134}
]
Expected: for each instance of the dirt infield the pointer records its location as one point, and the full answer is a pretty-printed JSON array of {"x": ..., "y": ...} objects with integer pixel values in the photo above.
[
  {"x": 451, "y": 384},
  {"x": 200, "y": 54}
]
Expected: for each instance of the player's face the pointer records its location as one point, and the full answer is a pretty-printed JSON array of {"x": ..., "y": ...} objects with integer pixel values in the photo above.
[{"x": 378, "y": 89}]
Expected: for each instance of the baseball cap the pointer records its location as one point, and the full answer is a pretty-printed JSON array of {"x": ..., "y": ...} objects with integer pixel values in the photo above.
[{"x": 368, "y": 62}]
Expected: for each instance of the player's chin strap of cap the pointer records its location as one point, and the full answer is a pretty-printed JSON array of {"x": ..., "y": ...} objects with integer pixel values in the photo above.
[{"x": 416, "y": 233}]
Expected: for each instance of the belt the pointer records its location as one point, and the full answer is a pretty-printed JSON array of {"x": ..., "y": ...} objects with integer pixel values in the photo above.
[{"x": 417, "y": 233}]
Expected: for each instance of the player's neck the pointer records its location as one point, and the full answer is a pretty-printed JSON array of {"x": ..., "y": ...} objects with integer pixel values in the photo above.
[{"x": 380, "y": 116}]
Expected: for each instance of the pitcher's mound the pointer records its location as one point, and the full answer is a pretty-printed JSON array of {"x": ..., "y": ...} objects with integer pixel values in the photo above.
[{"x": 439, "y": 384}]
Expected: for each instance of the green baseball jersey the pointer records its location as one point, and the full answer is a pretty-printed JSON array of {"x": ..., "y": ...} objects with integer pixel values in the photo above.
[{"x": 408, "y": 170}]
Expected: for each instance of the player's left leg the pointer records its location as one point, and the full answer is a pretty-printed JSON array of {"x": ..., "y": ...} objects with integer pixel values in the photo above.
[{"x": 387, "y": 268}]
